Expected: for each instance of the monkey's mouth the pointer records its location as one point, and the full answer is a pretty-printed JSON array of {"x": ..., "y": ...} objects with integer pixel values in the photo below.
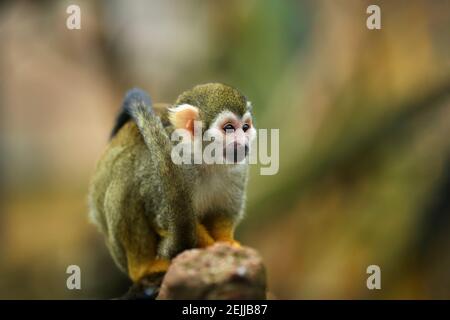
[{"x": 235, "y": 152}]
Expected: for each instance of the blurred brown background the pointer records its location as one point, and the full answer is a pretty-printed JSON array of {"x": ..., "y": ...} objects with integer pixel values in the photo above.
[{"x": 364, "y": 119}]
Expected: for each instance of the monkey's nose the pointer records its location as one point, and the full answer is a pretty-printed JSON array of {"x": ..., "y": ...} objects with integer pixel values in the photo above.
[{"x": 239, "y": 152}]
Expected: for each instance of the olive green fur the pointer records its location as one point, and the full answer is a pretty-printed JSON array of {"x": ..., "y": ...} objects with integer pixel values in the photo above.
[
  {"x": 212, "y": 98},
  {"x": 137, "y": 189}
]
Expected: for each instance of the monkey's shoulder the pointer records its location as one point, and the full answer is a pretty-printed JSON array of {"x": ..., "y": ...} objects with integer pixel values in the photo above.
[
  {"x": 129, "y": 144},
  {"x": 130, "y": 131},
  {"x": 123, "y": 153},
  {"x": 128, "y": 135}
]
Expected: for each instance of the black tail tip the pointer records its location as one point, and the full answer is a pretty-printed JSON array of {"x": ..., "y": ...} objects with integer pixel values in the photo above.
[
  {"x": 136, "y": 95},
  {"x": 132, "y": 97}
]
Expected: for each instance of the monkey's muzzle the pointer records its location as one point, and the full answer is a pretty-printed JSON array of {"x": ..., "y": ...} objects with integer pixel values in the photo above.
[{"x": 235, "y": 152}]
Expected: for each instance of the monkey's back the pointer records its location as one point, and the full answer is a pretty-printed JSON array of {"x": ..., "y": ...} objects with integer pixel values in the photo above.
[
  {"x": 115, "y": 190},
  {"x": 124, "y": 159}
]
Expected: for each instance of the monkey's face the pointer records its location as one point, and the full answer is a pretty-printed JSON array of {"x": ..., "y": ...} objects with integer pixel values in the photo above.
[
  {"x": 235, "y": 133},
  {"x": 225, "y": 116}
]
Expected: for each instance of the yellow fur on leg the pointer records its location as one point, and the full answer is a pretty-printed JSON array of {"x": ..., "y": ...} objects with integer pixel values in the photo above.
[
  {"x": 140, "y": 249},
  {"x": 222, "y": 230},
  {"x": 204, "y": 239},
  {"x": 138, "y": 269}
]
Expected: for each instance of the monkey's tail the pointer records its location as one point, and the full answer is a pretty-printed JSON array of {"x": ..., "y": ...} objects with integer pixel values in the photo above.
[
  {"x": 174, "y": 198},
  {"x": 133, "y": 98}
]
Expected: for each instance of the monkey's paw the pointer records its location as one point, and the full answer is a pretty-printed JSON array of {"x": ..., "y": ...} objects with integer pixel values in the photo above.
[{"x": 231, "y": 242}]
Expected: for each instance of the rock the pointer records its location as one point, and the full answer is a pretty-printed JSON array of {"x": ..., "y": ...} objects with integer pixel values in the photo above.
[{"x": 219, "y": 272}]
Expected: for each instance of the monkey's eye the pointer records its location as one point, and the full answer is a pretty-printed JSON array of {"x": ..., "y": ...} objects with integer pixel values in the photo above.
[
  {"x": 228, "y": 127},
  {"x": 245, "y": 127}
]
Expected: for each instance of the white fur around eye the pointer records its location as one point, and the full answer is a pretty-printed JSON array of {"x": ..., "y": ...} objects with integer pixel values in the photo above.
[
  {"x": 221, "y": 117},
  {"x": 247, "y": 116}
]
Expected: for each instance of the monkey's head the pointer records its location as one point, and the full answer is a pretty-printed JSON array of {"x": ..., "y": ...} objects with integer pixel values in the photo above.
[{"x": 225, "y": 114}]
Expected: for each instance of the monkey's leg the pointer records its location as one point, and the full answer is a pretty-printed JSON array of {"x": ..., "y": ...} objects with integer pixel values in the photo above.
[
  {"x": 144, "y": 268},
  {"x": 141, "y": 256},
  {"x": 204, "y": 239},
  {"x": 221, "y": 229},
  {"x": 131, "y": 239}
]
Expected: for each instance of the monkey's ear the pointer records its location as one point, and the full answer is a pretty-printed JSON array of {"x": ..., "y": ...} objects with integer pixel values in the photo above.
[
  {"x": 183, "y": 116},
  {"x": 249, "y": 106}
]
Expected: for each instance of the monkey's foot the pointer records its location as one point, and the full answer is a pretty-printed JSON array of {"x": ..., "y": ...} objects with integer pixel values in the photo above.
[
  {"x": 146, "y": 288},
  {"x": 139, "y": 269},
  {"x": 231, "y": 242}
]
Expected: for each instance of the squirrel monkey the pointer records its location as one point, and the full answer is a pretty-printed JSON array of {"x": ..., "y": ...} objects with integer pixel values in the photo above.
[{"x": 149, "y": 208}]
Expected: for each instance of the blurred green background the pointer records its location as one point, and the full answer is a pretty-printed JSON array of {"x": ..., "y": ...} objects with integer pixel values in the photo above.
[{"x": 364, "y": 119}]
